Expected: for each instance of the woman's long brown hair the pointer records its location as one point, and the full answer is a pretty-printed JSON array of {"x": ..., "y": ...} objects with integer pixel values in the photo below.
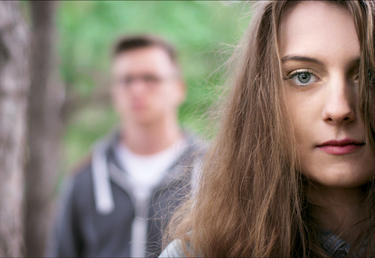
[{"x": 251, "y": 200}]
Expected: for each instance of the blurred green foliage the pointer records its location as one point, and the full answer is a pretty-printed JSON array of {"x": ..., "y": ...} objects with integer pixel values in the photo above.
[{"x": 204, "y": 32}]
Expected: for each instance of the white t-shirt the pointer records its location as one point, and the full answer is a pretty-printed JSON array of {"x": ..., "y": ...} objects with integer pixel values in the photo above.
[{"x": 144, "y": 172}]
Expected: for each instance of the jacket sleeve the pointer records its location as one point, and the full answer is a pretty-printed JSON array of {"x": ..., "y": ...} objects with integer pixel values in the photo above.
[{"x": 66, "y": 240}]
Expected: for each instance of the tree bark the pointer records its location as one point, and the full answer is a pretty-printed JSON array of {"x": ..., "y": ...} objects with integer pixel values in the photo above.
[
  {"x": 14, "y": 83},
  {"x": 45, "y": 127}
]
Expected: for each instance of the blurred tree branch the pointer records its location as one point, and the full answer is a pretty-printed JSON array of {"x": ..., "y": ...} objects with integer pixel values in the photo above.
[
  {"x": 46, "y": 99},
  {"x": 13, "y": 100},
  {"x": 51, "y": 106}
]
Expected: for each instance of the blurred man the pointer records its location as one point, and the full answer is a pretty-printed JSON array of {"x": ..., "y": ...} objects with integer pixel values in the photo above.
[{"x": 119, "y": 202}]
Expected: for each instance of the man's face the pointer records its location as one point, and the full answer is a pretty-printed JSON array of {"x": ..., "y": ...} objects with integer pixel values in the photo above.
[{"x": 146, "y": 88}]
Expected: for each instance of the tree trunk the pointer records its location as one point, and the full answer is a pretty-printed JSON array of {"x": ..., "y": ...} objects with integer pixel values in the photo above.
[
  {"x": 45, "y": 127},
  {"x": 14, "y": 83}
]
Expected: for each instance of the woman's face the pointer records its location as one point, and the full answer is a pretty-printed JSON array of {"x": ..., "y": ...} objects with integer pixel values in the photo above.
[{"x": 320, "y": 51}]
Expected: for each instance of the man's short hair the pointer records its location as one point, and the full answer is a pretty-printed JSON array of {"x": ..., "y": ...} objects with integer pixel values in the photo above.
[{"x": 132, "y": 42}]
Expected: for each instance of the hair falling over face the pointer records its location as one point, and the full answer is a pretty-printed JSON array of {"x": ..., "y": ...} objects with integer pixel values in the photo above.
[{"x": 251, "y": 199}]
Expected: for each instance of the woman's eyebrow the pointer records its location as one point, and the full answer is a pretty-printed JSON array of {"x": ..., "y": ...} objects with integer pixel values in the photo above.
[{"x": 301, "y": 58}]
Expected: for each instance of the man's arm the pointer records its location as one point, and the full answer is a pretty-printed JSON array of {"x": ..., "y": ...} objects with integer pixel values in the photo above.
[{"x": 65, "y": 240}]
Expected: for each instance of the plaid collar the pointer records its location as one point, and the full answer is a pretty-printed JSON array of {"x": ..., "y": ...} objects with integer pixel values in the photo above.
[{"x": 334, "y": 246}]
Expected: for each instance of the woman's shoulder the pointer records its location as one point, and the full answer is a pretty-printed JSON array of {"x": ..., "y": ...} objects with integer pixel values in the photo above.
[{"x": 174, "y": 249}]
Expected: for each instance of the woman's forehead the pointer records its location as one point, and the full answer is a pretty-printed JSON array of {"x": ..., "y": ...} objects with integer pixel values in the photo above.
[{"x": 318, "y": 29}]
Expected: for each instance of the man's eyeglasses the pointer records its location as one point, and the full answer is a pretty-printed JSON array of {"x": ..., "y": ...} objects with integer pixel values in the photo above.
[{"x": 148, "y": 79}]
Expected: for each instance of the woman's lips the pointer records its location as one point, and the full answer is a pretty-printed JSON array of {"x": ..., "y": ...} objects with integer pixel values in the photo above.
[{"x": 340, "y": 147}]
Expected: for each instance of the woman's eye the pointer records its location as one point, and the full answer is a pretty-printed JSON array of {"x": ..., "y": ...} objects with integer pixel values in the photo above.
[
  {"x": 356, "y": 78},
  {"x": 302, "y": 78}
]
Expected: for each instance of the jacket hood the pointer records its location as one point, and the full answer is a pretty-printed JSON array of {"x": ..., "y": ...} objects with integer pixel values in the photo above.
[{"x": 101, "y": 165}]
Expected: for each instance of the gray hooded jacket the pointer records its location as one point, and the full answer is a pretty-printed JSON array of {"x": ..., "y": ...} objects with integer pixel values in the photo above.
[{"x": 98, "y": 207}]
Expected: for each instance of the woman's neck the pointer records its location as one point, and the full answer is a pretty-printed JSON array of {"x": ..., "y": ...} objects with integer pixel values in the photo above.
[{"x": 337, "y": 209}]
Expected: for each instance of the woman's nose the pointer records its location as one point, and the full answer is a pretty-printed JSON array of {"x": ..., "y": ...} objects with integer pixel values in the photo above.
[{"x": 339, "y": 105}]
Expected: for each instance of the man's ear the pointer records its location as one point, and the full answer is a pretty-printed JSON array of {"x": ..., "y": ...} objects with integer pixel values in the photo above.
[
  {"x": 182, "y": 90},
  {"x": 113, "y": 93}
]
